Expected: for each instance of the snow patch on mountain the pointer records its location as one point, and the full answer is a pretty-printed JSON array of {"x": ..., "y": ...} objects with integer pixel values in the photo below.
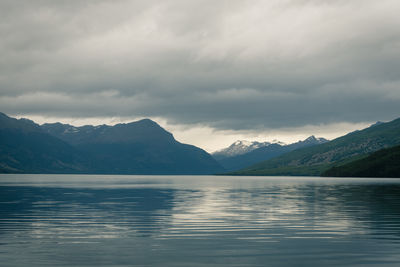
[
  {"x": 315, "y": 140},
  {"x": 242, "y": 147}
]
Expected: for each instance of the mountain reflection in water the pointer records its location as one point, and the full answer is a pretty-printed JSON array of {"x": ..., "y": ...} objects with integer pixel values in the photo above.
[{"x": 66, "y": 220}]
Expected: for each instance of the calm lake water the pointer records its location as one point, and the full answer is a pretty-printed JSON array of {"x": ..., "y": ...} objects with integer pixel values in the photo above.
[{"x": 92, "y": 220}]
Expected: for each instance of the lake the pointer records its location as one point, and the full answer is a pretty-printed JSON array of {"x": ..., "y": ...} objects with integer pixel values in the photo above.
[{"x": 96, "y": 220}]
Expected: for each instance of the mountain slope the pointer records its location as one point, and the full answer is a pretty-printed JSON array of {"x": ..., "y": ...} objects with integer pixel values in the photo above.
[
  {"x": 25, "y": 148},
  {"x": 141, "y": 147},
  {"x": 314, "y": 160},
  {"x": 383, "y": 163},
  {"x": 264, "y": 153}
]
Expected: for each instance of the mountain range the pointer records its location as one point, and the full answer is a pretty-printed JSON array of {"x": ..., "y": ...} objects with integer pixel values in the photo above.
[
  {"x": 317, "y": 159},
  {"x": 143, "y": 147},
  {"x": 242, "y": 154},
  {"x": 140, "y": 147}
]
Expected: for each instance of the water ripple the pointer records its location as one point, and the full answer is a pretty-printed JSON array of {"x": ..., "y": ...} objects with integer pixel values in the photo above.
[{"x": 188, "y": 221}]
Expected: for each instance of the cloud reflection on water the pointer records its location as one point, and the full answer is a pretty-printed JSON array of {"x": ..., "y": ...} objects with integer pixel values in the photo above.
[{"x": 252, "y": 219}]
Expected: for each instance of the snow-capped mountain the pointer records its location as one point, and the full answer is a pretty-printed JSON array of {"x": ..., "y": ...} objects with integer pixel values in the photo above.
[
  {"x": 241, "y": 147},
  {"x": 258, "y": 152},
  {"x": 314, "y": 140}
]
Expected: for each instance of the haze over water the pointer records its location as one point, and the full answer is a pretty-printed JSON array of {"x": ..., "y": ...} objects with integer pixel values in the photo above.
[{"x": 92, "y": 220}]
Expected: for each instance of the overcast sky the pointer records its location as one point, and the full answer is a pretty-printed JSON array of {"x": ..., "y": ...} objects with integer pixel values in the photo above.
[{"x": 209, "y": 71}]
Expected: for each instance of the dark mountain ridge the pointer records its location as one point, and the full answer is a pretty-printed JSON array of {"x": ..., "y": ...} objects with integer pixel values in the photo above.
[
  {"x": 25, "y": 148},
  {"x": 141, "y": 147},
  {"x": 20, "y": 124},
  {"x": 140, "y": 131}
]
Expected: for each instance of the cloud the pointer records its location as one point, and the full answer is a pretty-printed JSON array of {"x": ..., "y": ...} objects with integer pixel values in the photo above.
[{"x": 229, "y": 65}]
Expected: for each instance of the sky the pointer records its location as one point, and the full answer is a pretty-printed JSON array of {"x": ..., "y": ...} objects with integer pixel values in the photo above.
[{"x": 211, "y": 72}]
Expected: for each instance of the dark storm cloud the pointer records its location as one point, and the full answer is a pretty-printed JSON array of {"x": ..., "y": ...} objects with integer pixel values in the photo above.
[{"x": 226, "y": 64}]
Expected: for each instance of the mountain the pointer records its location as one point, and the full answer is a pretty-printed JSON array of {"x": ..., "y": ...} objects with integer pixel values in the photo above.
[
  {"x": 238, "y": 148},
  {"x": 265, "y": 152},
  {"x": 25, "y": 148},
  {"x": 383, "y": 163},
  {"x": 143, "y": 131},
  {"x": 314, "y": 160},
  {"x": 141, "y": 147}
]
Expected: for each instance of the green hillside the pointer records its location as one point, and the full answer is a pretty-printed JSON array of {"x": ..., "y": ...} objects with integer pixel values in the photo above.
[
  {"x": 383, "y": 163},
  {"x": 317, "y": 159}
]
